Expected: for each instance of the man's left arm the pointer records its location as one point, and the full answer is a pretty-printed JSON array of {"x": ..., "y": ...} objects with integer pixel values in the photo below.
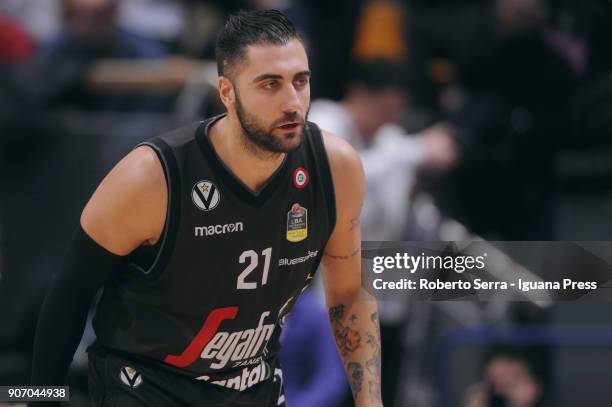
[{"x": 353, "y": 315}]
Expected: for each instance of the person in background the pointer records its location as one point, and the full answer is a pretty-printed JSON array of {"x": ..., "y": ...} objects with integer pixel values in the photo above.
[
  {"x": 39, "y": 18},
  {"x": 162, "y": 21},
  {"x": 92, "y": 33},
  {"x": 368, "y": 118},
  {"x": 92, "y": 28},
  {"x": 511, "y": 379}
]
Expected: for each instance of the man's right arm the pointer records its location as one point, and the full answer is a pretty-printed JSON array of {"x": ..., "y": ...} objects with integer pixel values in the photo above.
[{"x": 127, "y": 209}]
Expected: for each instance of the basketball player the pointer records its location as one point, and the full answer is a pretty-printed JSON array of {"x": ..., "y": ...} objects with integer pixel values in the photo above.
[{"x": 203, "y": 238}]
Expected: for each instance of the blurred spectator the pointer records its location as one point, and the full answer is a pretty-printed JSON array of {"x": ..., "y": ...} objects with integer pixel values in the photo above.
[
  {"x": 157, "y": 20},
  {"x": 92, "y": 29},
  {"x": 368, "y": 118},
  {"x": 91, "y": 32},
  {"x": 311, "y": 381},
  {"x": 40, "y": 18},
  {"x": 511, "y": 379}
]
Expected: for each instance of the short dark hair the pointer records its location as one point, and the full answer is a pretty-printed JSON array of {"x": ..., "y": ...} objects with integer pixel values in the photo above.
[
  {"x": 379, "y": 74},
  {"x": 249, "y": 28}
]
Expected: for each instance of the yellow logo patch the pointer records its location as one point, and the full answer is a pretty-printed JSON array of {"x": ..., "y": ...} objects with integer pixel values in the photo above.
[{"x": 297, "y": 223}]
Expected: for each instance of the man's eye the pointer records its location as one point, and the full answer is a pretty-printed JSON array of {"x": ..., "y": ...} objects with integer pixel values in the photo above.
[
  {"x": 302, "y": 82},
  {"x": 269, "y": 85}
]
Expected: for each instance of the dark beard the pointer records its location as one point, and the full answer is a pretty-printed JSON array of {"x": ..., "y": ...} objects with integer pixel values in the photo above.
[{"x": 260, "y": 137}]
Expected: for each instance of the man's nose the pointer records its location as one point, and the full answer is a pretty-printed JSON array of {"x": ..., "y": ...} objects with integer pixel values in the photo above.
[{"x": 291, "y": 102}]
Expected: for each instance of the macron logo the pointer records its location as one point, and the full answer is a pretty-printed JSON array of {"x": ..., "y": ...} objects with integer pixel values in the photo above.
[{"x": 204, "y": 231}]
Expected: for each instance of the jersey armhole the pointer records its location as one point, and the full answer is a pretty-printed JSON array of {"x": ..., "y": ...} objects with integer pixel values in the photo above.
[
  {"x": 167, "y": 239},
  {"x": 326, "y": 175}
]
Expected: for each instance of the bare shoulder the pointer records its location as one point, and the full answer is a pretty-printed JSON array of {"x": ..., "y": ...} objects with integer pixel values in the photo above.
[
  {"x": 346, "y": 167},
  {"x": 128, "y": 208},
  {"x": 140, "y": 168},
  {"x": 339, "y": 151}
]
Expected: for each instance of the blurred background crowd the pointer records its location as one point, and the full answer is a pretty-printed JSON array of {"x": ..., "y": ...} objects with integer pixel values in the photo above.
[{"x": 488, "y": 118}]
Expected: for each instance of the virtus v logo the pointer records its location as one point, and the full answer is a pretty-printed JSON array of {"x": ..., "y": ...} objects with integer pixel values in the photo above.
[{"x": 205, "y": 195}]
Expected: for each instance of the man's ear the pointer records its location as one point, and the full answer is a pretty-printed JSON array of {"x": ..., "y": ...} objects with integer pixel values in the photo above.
[{"x": 226, "y": 91}]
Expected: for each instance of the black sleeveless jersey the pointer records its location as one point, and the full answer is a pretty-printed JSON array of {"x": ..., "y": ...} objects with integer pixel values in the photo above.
[{"x": 230, "y": 265}]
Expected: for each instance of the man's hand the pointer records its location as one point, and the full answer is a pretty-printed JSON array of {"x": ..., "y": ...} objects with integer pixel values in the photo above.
[{"x": 442, "y": 151}]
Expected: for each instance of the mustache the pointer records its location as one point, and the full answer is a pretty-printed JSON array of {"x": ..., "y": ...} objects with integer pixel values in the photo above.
[{"x": 289, "y": 117}]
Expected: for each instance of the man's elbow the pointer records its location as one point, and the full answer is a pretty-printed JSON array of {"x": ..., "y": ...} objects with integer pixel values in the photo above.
[{"x": 346, "y": 294}]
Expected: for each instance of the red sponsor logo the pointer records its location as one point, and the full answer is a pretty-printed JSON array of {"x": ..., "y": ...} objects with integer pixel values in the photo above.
[
  {"x": 208, "y": 330},
  {"x": 237, "y": 348}
]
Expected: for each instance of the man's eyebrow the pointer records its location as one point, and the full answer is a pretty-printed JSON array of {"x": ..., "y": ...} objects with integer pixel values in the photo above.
[{"x": 266, "y": 76}]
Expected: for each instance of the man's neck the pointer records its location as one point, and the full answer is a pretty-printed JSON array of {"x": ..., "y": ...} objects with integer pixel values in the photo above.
[{"x": 247, "y": 161}]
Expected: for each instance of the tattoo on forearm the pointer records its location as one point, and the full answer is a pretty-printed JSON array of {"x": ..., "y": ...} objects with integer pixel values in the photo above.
[
  {"x": 376, "y": 322},
  {"x": 373, "y": 365},
  {"x": 336, "y": 313},
  {"x": 347, "y": 340},
  {"x": 354, "y": 224},
  {"x": 374, "y": 318},
  {"x": 375, "y": 394},
  {"x": 355, "y": 373},
  {"x": 340, "y": 257},
  {"x": 372, "y": 341}
]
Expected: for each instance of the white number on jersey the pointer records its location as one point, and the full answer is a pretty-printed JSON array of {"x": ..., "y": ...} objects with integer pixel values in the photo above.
[{"x": 253, "y": 260}]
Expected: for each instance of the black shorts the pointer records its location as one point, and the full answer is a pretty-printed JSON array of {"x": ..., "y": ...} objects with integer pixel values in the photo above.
[{"x": 115, "y": 381}]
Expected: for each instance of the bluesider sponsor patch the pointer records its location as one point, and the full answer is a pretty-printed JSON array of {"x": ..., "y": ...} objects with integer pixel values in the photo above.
[{"x": 297, "y": 223}]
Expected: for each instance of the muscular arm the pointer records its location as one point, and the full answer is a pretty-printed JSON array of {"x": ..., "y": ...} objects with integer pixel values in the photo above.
[
  {"x": 353, "y": 317},
  {"x": 127, "y": 209}
]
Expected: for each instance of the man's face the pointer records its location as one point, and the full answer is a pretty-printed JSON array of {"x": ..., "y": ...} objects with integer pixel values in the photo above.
[
  {"x": 391, "y": 104},
  {"x": 384, "y": 106},
  {"x": 272, "y": 89}
]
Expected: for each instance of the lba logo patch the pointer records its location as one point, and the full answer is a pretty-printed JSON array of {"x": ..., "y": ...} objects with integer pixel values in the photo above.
[
  {"x": 205, "y": 195},
  {"x": 297, "y": 223},
  {"x": 130, "y": 377},
  {"x": 300, "y": 178}
]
